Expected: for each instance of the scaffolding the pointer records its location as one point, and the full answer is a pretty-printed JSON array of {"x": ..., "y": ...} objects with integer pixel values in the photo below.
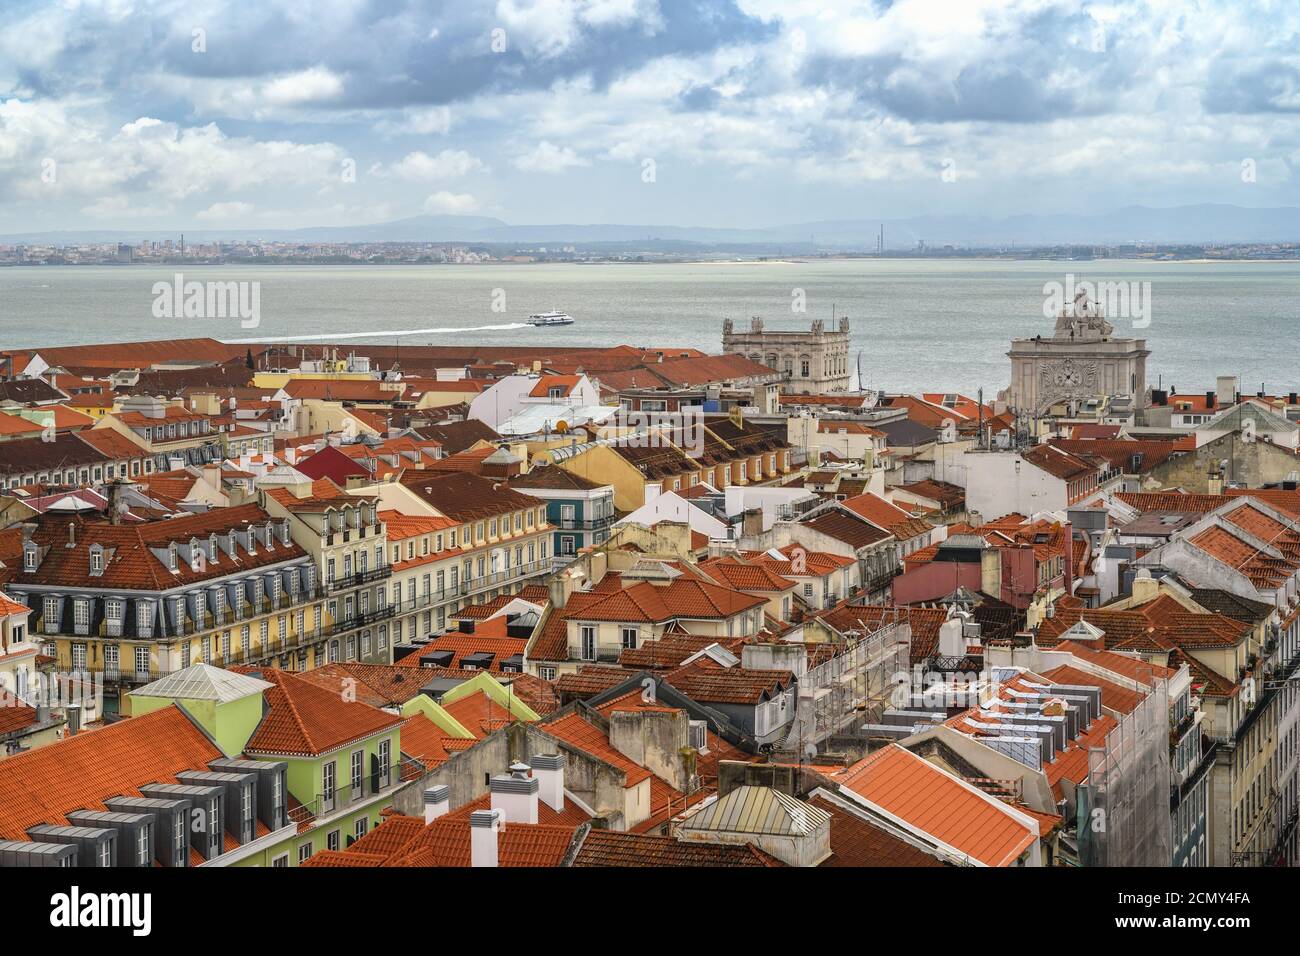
[
  {"x": 853, "y": 687},
  {"x": 1123, "y": 804}
]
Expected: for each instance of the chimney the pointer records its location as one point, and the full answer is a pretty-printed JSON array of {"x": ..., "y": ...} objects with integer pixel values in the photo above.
[
  {"x": 516, "y": 795},
  {"x": 1214, "y": 483},
  {"x": 548, "y": 771},
  {"x": 1145, "y": 587},
  {"x": 1225, "y": 387},
  {"x": 558, "y": 594},
  {"x": 485, "y": 827},
  {"x": 751, "y": 522},
  {"x": 72, "y": 534},
  {"x": 952, "y": 639},
  {"x": 437, "y": 801}
]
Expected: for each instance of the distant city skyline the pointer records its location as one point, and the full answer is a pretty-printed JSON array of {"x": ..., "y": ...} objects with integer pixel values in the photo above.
[{"x": 732, "y": 114}]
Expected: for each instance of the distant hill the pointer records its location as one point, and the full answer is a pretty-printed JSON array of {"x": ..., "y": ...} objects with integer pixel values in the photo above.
[{"x": 1204, "y": 223}]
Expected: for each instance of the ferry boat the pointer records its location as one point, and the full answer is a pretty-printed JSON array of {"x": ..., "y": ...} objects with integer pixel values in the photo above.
[{"x": 550, "y": 318}]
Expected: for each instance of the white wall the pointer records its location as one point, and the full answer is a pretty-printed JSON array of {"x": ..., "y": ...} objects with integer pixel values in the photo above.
[
  {"x": 998, "y": 483},
  {"x": 673, "y": 507},
  {"x": 740, "y": 498}
]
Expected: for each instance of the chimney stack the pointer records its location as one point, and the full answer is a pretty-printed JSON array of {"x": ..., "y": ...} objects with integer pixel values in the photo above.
[
  {"x": 516, "y": 795},
  {"x": 485, "y": 827},
  {"x": 437, "y": 801},
  {"x": 556, "y": 592},
  {"x": 548, "y": 771},
  {"x": 1225, "y": 390}
]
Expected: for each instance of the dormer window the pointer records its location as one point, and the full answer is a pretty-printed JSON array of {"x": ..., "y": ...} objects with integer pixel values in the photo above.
[
  {"x": 96, "y": 560},
  {"x": 171, "y": 557},
  {"x": 29, "y": 557},
  {"x": 270, "y": 536}
]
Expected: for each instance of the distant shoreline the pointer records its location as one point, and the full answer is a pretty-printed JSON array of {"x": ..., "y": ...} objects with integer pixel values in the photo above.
[{"x": 782, "y": 261}]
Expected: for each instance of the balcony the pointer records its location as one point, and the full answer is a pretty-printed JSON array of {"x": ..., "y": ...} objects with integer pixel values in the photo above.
[
  {"x": 584, "y": 524},
  {"x": 365, "y": 619},
  {"x": 358, "y": 578}
]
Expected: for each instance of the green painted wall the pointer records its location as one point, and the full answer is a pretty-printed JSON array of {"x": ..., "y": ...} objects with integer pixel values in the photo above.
[
  {"x": 305, "y": 779},
  {"x": 229, "y": 724}
]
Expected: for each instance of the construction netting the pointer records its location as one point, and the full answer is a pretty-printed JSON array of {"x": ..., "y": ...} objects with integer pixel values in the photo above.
[{"x": 1123, "y": 805}]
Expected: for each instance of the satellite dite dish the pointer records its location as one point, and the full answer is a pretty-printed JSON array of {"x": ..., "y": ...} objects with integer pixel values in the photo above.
[{"x": 561, "y": 426}]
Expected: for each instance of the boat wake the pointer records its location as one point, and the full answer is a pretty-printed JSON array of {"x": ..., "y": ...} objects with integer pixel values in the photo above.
[{"x": 331, "y": 336}]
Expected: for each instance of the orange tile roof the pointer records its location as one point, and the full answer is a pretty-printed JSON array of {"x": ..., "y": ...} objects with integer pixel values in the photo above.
[
  {"x": 129, "y": 561},
  {"x": 479, "y": 714},
  {"x": 583, "y": 735},
  {"x": 1114, "y": 696},
  {"x": 815, "y": 563},
  {"x": 1072, "y": 764},
  {"x": 307, "y": 720},
  {"x": 610, "y": 848},
  {"x": 483, "y": 640},
  {"x": 447, "y": 843},
  {"x": 8, "y": 606},
  {"x": 1134, "y": 668},
  {"x": 380, "y": 685},
  {"x": 566, "y": 384},
  {"x": 936, "y": 803},
  {"x": 654, "y": 603},
  {"x": 1262, "y": 569},
  {"x": 342, "y": 390},
  {"x": 703, "y": 681},
  {"x": 746, "y": 577},
  {"x": 422, "y": 739},
  {"x": 80, "y": 772}
]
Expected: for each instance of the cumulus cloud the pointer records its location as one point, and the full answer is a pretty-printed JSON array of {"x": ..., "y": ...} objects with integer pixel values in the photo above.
[
  {"x": 749, "y": 108},
  {"x": 419, "y": 166},
  {"x": 453, "y": 203},
  {"x": 226, "y": 210},
  {"x": 549, "y": 158}
]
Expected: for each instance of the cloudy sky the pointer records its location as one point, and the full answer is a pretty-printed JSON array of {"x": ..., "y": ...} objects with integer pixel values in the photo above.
[{"x": 287, "y": 113}]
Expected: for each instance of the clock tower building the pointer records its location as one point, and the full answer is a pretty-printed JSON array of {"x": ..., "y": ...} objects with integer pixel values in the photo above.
[{"x": 1083, "y": 359}]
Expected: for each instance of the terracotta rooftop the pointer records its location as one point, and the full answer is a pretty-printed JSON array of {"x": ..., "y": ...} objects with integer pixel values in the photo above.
[
  {"x": 927, "y": 799},
  {"x": 611, "y": 848},
  {"x": 857, "y": 842},
  {"x": 80, "y": 772},
  {"x": 855, "y": 532},
  {"x": 466, "y": 497},
  {"x": 129, "y": 561},
  {"x": 728, "y": 685},
  {"x": 581, "y": 734},
  {"x": 304, "y": 719}
]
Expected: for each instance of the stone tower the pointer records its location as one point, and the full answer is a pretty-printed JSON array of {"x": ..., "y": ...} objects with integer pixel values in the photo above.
[
  {"x": 815, "y": 362},
  {"x": 1082, "y": 359}
]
